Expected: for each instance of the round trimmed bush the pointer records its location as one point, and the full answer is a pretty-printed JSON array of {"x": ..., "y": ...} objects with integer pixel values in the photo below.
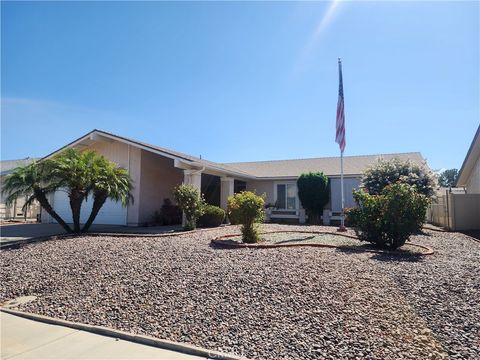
[{"x": 213, "y": 216}]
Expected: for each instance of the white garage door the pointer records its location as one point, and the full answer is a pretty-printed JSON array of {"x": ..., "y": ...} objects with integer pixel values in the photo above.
[{"x": 111, "y": 213}]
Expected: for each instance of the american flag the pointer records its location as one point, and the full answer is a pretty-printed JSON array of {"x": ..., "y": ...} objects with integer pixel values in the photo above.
[{"x": 340, "y": 135}]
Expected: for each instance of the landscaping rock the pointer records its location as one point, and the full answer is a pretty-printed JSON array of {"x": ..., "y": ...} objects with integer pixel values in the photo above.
[{"x": 286, "y": 303}]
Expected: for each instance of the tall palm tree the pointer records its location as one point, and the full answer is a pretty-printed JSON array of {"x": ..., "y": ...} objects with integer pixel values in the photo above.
[
  {"x": 74, "y": 171},
  {"x": 110, "y": 182},
  {"x": 35, "y": 182}
]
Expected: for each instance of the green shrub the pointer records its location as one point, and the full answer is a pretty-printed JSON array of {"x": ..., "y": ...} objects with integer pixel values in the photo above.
[
  {"x": 248, "y": 209},
  {"x": 191, "y": 202},
  {"x": 388, "y": 219},
  {"x": 169, "y": 214},
  {"x": 314, "y": 194},
  {"x": 213, "y": 216},
  {"x": 387, "y": 172}
]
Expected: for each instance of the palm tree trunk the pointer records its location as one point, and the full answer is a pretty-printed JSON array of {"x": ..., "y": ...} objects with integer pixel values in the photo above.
[
  {"x": 76, "y": 200},
  {"x": 98, "y": 201},
  {"x": 42, "y": 199}
]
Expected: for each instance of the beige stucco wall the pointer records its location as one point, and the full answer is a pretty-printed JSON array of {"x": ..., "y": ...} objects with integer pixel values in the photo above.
[
  {"x": 262, "y": 186},
  {"x": 473, "y": 184},
  {"x": 159, "y": 177}
]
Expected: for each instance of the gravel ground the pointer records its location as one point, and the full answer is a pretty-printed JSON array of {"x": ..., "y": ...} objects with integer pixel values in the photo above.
[
  {"x": 307, "y": 303},
  {"x": 291, "y": 237}
]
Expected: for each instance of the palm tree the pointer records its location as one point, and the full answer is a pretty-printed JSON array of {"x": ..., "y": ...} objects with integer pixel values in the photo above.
[
  {"x": 35, "y": 182},
  {"x": 74, "y": 171},
  {"x": 109, "y": 182}
]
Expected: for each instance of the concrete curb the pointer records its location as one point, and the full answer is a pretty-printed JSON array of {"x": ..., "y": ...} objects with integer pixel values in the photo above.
[
  {"x": 139, "y": 339},
  {"x": 220, "y": 241},
  {"x": 18, "y": 243}
]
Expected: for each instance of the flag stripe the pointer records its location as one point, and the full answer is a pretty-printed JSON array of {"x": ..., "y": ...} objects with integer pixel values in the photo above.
[{"x": 340, "y": 123}]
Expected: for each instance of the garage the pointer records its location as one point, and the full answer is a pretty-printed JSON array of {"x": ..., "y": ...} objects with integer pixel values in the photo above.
[{"x": 111, "y": 213}]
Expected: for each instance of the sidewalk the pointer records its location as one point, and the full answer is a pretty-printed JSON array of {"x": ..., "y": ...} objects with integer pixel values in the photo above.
[{"x": 27, "y": 339}]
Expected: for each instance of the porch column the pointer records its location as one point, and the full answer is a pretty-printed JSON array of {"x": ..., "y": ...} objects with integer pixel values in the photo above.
[
  {"x": 192, "y": 177},
  {"x": 226, "y": 190}
]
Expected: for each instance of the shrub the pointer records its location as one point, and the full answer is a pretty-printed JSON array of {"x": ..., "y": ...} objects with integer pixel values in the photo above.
[
  {"x": 213, "y": 216},
  {"x": 169, "y": 214},
  {"x": 191, "y": 202},
  {"x": 248, "y": 209},
  {"x": 314, "y": 194},
  {"x": 387, "y": 172},
  {"x": 388, "y": 219}
]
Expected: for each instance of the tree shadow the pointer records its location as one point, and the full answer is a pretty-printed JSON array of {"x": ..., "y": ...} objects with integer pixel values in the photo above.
[
  {"x": 387, "y": 256},
  {"x": 295, "y": 240}
]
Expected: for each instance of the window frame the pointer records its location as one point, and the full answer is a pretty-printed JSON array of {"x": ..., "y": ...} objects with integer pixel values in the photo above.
[{"x": 285, "y": 213}]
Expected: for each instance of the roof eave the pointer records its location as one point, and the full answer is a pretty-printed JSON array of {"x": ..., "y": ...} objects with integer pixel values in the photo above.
[{"x": 462, "y": 174}]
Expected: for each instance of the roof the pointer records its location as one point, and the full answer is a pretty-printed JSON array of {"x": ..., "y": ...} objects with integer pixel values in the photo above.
[
  {"x": 7, "y": 166},
  {"x": 352, "y": 165},
  {"x": 472, "y": 157},
  {"x": 161, "y": 150}
]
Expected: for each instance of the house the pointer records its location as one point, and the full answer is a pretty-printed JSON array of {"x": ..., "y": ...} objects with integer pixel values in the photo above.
[
  {"x": 469, "y": 175},
  {"x": 156, "y": 171},
  {"x": 15, "y": 210}
]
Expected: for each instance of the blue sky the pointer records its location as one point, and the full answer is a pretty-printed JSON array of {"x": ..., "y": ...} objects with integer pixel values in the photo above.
[{"x": 242, "y": 81}]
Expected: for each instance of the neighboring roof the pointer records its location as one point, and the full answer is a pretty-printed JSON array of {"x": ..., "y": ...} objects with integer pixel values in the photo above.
[
  {"x": 352, "y": 165},
  {"x": 473, "y": 155},
  {"x": 7, "y": 166}
]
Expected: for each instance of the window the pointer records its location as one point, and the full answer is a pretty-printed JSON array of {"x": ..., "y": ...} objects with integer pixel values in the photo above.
[{"x": 286, "y": 197}]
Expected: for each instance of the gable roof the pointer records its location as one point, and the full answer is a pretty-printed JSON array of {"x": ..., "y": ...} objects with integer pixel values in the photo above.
[
  {"x": 352, "y": 165},
  {"x": 7, "y": 166},
  {"x": 473, "y": 155},
  {"x": 176, "y": 155}
]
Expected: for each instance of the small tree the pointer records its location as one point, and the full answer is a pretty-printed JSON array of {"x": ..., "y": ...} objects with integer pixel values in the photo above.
[
  {"x": 191, "y": 202},
  {"x": 248, "y": 209},
  {"x": 73, "y": 171},
  {"x": 388, "y": 219},
  {"x": 109, "y": 182},
  {"x": 388, "y": 172},
  {"x": 314, "y": 194},
  {"x": 33, "y": 181},
  {"x": 448, "y": 178}
]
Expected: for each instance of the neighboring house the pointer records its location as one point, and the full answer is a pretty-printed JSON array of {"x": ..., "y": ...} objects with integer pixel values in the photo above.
[
  {"x": 156, "y": 171},
  {"x": 458, "y": 208},
  {"x": 15, "y": 211}
]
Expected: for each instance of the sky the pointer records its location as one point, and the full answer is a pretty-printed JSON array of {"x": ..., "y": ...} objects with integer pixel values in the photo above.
[{"x": 243, "y": 81}]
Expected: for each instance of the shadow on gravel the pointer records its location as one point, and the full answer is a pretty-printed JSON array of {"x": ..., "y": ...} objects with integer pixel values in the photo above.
[{"x": 386, "y": 257}]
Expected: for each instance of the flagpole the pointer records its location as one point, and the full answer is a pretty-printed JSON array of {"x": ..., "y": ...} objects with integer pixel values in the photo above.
[
  {"x": 342, "y": 220},
  {"x": 341, "y": 142}
]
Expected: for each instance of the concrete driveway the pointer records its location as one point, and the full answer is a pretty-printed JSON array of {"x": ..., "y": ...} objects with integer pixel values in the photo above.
[{"x": 18, "y": 232}]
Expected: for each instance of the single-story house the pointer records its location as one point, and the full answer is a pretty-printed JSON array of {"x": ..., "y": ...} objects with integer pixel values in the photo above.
[
  {"x": 15, "y": 210},
  {"x": 156, "y": 171}
]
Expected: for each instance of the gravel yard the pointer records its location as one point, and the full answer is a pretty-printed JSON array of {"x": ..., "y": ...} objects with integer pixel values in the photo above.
[{"x": 307, "y": 303}]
